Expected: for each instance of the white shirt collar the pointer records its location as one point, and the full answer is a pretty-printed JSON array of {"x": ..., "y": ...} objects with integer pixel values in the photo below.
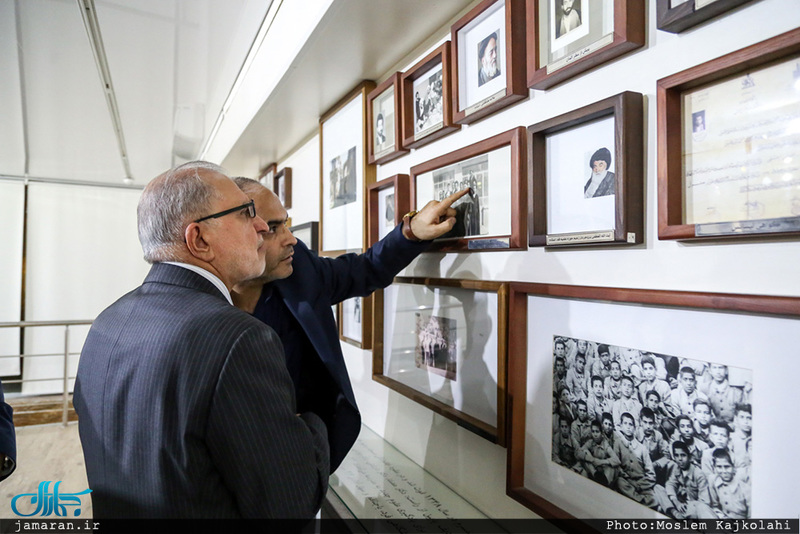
[{"x": 207, "y": 275}]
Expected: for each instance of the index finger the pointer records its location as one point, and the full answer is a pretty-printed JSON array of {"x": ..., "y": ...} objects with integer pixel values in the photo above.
[{"x": 447, "y": 202}]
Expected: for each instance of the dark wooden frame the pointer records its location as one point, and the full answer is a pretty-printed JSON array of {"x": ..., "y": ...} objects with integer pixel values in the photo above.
[
  {"x": 518, "y": 344},
  {"x": 367, "y": 304},
  {"x": 442, "y": 55},
  {"x": 497, "y": 433},
  {"x": 392, "y": 82},
  {"x": 679, "y": 18},
  {"x": 314, "y": 227},
  {"x": 628, "y": 111},
  {"x": 670, "y": 137},
  {"x": 514, "y": 62},
  {"x": 515, "y": 138},
  {"x": 362, "y": 89},
  {"x": 284, "y": 174},
  {"x": 629, "y": 34},
  {"x": 402, "y": 202}
]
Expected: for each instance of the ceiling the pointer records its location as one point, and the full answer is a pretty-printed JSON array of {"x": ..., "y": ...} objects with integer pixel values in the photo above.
[{"x": 117, "y": 91}]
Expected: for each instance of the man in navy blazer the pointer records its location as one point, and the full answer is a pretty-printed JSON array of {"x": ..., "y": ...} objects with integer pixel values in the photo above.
[
  {"x": 8, "y": 438},
  {"x": 186, "y": 409},
  {"x": 295, "y": 293}
]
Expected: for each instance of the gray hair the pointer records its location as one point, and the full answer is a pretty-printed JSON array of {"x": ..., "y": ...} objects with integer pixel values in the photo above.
[{"x": 168, "y": 204}]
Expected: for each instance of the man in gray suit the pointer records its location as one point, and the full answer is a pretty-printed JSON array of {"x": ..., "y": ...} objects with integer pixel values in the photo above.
[{"x": 185, "y": 405}]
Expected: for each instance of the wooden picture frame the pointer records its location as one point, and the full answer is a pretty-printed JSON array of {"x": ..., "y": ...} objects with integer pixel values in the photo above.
[
  {"x": 564, "y": 209},
  {"x": 308, "y": 233},
  {"x": 387, "y": 202},
  {"x": 345, "y": 173},
  {"x": 404, "y": 317},
  {"x": 429, "y": 116},
  {"x": 489, "y": 26},
  {"x": 267, "y": 175},
  {"x": 709, "y": 336},
  {"x": 556, "y": 54},
  {"x": 355, "y": 321},
  {"x": 700, "y": 112},
  {"x": 687, "y": 15},
  {"x": 282, "y": 186},
  {"x": 489, "y": 218},
  {"x": 384, "y": 117}
]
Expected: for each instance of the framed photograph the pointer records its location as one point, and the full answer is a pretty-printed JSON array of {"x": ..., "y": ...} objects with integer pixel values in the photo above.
[
  {"x": 492, "y": 215},
  {"x": 727, "y": 145},
  {"x": 569, "y": 37},
  {"x": 387, "y": 202},
  {"x": 282, "y": 186},
  {"x": 355, "y": 321},
  {"x": 344, "y": 173},
  {"x": 441, "y": 343},
  {"x": 651, "y": 403},
  {"x": 674, "y": 16},
  {"x": 587, "y": 175},
  {"x": 267, "y": 175},
  {"x": 384, "y": 114},
  {"x": 488, "y": 59},
  {"x": 308, "y": 233},
  {"x": 427, "y": 99}
]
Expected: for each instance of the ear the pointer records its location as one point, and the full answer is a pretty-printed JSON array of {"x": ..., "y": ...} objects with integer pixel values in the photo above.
[{"x": 196, "y": 243}]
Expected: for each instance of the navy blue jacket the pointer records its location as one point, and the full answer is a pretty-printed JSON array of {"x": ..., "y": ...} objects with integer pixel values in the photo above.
[
  {"x": 315, "y": 285},
  {"x": 8, "y": 439}
]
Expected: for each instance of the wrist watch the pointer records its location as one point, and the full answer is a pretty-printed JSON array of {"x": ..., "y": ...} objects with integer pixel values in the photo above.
[{"x": 407, "y": 232}]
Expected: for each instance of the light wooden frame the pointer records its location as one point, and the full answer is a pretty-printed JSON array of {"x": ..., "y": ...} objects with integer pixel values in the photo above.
[
  {"x": 393, "y": 82},
  {"x": 402, "y": 201}
]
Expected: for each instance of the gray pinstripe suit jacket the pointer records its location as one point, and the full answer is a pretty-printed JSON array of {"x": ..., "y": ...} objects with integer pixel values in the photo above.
[{"x": 186, "y": 409}]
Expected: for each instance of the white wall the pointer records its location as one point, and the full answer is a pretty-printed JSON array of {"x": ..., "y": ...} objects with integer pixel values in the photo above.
[
  {"x": 468, "y": 464},
  {"x": 82, "y": 254}
]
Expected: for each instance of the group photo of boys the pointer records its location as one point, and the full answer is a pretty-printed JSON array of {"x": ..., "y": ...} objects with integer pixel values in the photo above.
[{"x": 671, "y": 433}]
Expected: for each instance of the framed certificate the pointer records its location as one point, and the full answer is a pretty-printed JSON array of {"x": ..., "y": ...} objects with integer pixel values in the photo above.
[
  {"x": 492, "y": 215},
  {"x": 387, "y": 202},
  {"x": 587, "y": 175},
  {"x": 383, "y": 116},
  {"x": 344, "y": 173},
  {"x": 428, "y": 99},
  {"x": 488, "y": 59},
  {"x": 308, "y": 233},
  {"x": 683, "y": 372},
  {"x": 727, "y": 145},
  {"x": 355, "y": 321},
  {"x": 441, "y": 342},
  {"x": 676, "y": 16},
  {"x": 282, "y": 186},
  {"x": 568, "y": 37}
]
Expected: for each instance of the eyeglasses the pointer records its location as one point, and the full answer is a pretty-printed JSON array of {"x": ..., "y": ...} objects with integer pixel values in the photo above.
[{"x": 250, "y": 207}]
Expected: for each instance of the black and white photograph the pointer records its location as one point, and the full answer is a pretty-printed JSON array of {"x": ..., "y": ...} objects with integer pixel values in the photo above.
[
  {"x": 343, "y": 179},
  {"x": 384, "y": 122},
  {"x": 568, "y": 16},
  {"x": 351, "y": 319},
  {"x": 436, "y": 347},
  {"x": 601, "y": 180},
  {"x": 471, "y": 210},
  {"x": 428, "y": 104},
  {"x": 489, "y": 55},
  {"x": 388, "y": 214},
  {"x": 671, "y": 433}
]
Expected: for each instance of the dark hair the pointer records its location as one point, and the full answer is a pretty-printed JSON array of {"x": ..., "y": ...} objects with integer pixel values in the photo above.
[{"x": 601, "y": 154}]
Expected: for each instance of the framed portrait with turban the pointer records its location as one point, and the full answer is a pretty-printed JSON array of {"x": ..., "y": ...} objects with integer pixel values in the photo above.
[{"x": 587, "y": 175}]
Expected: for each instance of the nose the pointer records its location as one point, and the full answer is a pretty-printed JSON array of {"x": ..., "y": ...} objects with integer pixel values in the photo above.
[{"x": 292, "y": 240}]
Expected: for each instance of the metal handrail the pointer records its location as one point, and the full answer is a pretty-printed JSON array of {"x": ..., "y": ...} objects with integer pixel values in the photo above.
[{"x": 65, "y": 354}]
